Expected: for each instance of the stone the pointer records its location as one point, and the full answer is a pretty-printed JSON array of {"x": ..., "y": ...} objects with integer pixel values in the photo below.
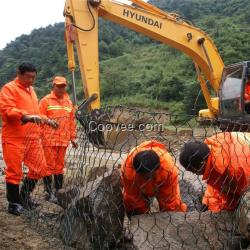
[
  {"x": 94, "y": 214},
  {"x": 96, "y": 172},
  {"x": 191, "y": 195},
  {"x": 176, "y": 230},
  {"x": 243, "y": 216},
  {"x": 65, "y": 196}
]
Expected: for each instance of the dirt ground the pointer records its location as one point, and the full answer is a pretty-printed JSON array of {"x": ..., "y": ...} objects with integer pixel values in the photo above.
[{"x": 15, "y": 231}]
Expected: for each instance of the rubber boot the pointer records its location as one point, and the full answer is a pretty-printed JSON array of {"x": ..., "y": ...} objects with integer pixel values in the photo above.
[
  {"x": 27, "y": 188},
  {"x": 47, "y": 181},
  {"x": 12, "y": 193},
  {"x": 58, "y": 179},
  {"x": 49, "y": 195}
]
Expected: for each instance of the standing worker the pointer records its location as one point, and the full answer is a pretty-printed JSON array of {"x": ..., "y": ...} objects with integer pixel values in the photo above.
[
  {"x": 57, "y": 105},
  {"x": 148, "y": 172},
  {"x": 247, "y": 96},
  {"x": 21, "y": 140},
  {"x": 224, "y": 162}
]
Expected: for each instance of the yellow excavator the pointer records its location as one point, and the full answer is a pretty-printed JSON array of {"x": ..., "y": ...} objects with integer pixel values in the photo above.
[{"x": 229, "y": 83}]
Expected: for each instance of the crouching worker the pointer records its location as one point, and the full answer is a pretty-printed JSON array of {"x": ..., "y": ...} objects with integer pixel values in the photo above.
[
  {"x": 224, "y": 162},
  {"x": 148, "y": 172},
  {"x": 21, "y": 139},
  {"x": 58, "y": 106}
]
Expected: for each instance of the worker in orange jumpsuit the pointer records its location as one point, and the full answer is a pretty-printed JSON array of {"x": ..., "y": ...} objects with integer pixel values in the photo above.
[
  {"x": 148, "y": 172},
  {"x": 247, "y": 96},
  {"x": 21, "y": 138},
  {"x": 58, "y": 106},
  {"x": 224, "y": 162}
]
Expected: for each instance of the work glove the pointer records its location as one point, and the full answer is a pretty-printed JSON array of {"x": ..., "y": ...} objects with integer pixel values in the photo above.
[
  {"x": 52, "y": 123},
  {"x": 74, "y": 144},
  {"x": 39, "y": 120},
  {"x": 31, "y": 118}
]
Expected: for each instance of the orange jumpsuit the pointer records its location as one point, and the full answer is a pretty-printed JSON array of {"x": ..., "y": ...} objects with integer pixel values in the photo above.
[
  {"x": 247, "y": 97},
  {"x": 163, "y": 185},
  {"x": 228, "y": 170},
  {"x": 56, "y": 141},
  {"x": 247, "y": 92},
  {"x": 21, "y": 143}
]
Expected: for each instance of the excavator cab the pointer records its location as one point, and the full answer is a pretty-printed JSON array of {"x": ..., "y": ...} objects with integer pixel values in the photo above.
[{"x": 234, "y": 103}]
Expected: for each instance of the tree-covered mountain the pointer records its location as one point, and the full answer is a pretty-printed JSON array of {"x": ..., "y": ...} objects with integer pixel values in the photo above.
[{"x": 134, "y": 69}]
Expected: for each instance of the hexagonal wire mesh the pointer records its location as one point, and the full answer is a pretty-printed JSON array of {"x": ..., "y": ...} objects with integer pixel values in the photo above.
[{"x": 97, "y": 209}]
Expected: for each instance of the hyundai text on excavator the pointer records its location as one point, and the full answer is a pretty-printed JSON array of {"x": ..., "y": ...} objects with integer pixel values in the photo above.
[{"x": 81, "y": 28}]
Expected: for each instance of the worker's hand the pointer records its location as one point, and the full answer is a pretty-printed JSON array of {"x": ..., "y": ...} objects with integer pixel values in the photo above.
[
  {"x": 74, "y": 144},
  {"x": 31, "y": 118},
  {"x": 229, "y": 187},
  {"x": 52, "y": 123},
  {"x": 203, "y": 208}
]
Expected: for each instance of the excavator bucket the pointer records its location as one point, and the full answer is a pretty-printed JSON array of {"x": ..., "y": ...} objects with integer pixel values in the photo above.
[
  {"x": 103, "y": 128},
  {"x": 114, "y": 127}
]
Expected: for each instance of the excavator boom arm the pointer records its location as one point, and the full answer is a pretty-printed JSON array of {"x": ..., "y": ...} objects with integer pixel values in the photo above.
[{"x": 148, "y": 20}]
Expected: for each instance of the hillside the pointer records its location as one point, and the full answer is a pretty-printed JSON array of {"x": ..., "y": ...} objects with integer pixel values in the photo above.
[{"x": 134, "y": 69}]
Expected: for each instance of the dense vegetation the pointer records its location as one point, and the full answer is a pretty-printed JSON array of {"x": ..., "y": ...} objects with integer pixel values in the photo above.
[{"x": 134, "y": 69}]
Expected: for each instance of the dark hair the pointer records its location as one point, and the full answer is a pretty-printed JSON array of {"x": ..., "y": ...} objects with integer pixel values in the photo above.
[
  {"x": 26, "y": 67},
  {"x": 146, "y": 161},
  {"x": 193, "y": 154}
]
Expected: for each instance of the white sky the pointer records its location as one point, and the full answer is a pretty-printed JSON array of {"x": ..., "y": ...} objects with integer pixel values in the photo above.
[{"x": 19, "y": 17}]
